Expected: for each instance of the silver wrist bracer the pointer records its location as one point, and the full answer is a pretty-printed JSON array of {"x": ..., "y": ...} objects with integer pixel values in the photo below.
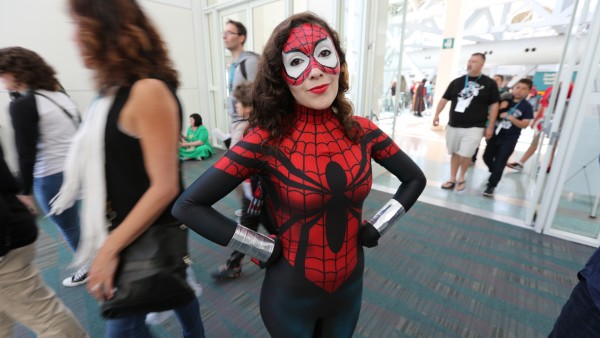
[
  {"x": 387, "y": 216},
  {"x": 252, "y": 243}
]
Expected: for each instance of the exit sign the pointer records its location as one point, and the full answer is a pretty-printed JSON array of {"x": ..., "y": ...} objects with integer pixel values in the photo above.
[{"x": 448, "y": 43}]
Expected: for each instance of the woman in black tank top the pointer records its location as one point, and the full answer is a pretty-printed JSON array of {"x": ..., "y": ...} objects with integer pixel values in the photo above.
[{"x": 141, "y": 140}]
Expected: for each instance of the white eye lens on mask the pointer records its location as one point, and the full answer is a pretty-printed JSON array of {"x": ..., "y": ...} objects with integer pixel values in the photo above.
[
  {"x": 326, "y": 54},
  {"x": 295, "y": 63}
]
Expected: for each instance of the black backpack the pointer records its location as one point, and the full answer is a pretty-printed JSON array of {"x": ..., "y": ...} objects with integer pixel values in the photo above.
[{"x": 243, "y": 65}]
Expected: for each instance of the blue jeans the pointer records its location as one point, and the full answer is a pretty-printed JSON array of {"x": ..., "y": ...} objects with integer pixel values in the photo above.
[
  {"x": 134, "y": 326},
  {"x": 44, "y": 189}
]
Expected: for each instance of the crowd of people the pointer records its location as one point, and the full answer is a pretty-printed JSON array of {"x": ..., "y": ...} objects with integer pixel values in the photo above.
[
  {"x": 418, "y": 97},
  {"x": 114, "y": 179},
  {"x": 486, "y": 107}
]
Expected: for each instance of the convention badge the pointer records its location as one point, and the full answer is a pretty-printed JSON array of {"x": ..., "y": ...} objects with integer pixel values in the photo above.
[
  {"x": 461, "y": 105},
  {"x": 504, "y": 124},
  {"x": 498, "y": 128}
]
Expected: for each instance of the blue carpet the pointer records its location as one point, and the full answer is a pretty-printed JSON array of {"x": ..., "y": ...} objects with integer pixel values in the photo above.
[{"x": 437, "y": 273}]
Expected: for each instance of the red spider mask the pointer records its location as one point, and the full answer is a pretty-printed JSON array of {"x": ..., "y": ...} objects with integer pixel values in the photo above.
[{"x": 307, "y": 47}]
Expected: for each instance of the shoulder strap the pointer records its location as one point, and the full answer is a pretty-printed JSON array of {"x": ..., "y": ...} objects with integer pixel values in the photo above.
[
  {"x": 243, "y": 65},
  {"x": 243, "y": 69},
  {"x": 76, "y": 120}
]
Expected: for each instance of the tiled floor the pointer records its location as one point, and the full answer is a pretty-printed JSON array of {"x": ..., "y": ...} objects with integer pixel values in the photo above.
[{"x": 427, "y": 148}]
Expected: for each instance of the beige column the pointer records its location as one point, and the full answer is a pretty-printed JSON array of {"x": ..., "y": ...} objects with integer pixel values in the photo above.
[{"x": 449, "y": 56}]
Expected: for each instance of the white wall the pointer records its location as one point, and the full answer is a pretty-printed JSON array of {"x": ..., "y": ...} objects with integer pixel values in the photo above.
[{"x": 46, "y": 28}]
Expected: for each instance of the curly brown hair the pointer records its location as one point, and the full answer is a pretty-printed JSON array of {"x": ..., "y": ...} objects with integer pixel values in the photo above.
[
  {"x": 243, "y": 93},
  {"x": 120, "y": 43},
  {"x": 28, "y": 69},
  {"x": 273, "y": 103}
]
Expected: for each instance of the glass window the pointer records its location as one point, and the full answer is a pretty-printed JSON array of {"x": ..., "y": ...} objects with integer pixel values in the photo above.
[
  {"x": 264, "y": 20},
  {"x": 351, "y": 36},
  {"x": 215, "y": 2},
  {"x": 324, "y": 9},
  {"x": 578, "y": 205}
]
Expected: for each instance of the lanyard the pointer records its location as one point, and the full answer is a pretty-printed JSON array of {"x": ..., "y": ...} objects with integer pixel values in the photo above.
[
  {"x": 467, "y": 80},
  {"x": 512, "y": 110}
]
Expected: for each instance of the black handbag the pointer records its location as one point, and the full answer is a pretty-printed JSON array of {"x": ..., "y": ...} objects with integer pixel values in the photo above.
[{"x": 151, "y": 276}]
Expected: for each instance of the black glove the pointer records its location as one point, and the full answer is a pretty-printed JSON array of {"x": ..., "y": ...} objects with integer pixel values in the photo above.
[
  {"x": 368, "y": 235},
  {"x": 274, "y": 255}
]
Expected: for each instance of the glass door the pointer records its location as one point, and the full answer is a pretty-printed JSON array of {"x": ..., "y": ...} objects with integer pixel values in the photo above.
[
  {"x": 259, "y": 18},
  {"x": 568, "y": 183}
]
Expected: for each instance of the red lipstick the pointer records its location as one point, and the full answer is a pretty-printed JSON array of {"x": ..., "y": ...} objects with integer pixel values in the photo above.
[{"x": 319, "y": 89}]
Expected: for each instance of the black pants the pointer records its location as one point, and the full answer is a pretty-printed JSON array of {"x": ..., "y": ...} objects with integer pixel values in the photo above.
[
  {"x": 496, "y": 155},
  {"x": 292, "y": 306},
  {"x": 580, "y": 317}
]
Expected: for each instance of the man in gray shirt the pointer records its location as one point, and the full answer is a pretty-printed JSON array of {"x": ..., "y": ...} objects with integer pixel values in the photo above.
[{"x": 242, "y": 68}]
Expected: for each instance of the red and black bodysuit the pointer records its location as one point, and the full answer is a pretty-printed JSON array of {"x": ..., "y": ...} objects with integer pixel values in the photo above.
[{"x": 317, "y": 180}]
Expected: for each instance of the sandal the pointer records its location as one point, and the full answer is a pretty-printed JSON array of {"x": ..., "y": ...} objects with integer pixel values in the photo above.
[
  {"x": 461, "y": 184},
  {"x": 448, "y": 185}
]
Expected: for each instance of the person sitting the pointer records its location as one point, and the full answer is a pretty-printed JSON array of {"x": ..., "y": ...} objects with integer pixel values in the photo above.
[{"x": 195, "y": 145}]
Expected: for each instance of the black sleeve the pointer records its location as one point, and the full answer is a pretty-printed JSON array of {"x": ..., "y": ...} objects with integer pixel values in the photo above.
[
  {"x": 448, "y": 93},
  {"x": 7, "y": 186},
  {"x": 194, "y": 206},
  {"x": 412, "y": 178},
  {"x": 25, "y": 119},
  {"x": 505, "y": 109}
]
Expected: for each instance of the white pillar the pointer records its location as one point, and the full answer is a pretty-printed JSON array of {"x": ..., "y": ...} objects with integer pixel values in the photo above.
[{"x": 449, "y": 57}]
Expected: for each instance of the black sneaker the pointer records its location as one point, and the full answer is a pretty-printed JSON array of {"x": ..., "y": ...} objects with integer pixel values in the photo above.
[
  {"x": 488, "y": 192},
  {"x": 225, "y": 271},
  {"x": 80, "y": 277},
  {"x": 516, "y": 166}
]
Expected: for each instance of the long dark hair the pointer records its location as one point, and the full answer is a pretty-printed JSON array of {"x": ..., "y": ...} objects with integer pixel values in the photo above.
[
  {"x": 273, "y": 103},
  {"x": 28, "y": 68},
  {"x": 120, "y": 43}
]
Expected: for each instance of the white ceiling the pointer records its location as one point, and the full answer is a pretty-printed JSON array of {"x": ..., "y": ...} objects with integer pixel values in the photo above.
[{"x": 485, "y": 20}]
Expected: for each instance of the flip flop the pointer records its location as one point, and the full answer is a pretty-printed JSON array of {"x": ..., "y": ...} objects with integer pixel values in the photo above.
[
  {"x": 461, "y": 184},
  {"x": 448, "y": 185}
]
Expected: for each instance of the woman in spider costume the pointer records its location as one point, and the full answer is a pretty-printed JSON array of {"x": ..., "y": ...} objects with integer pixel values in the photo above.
[{"x": 314, "y": 158}]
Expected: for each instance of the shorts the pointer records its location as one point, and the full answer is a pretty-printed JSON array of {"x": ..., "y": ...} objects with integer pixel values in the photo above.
[{"x": 463, "y": 141}]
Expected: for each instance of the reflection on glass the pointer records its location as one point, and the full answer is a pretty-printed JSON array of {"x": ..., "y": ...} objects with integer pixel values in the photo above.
[
  {"x": 578, "y": 206},
  {"x": 324, "y": 9},
  {"x": 264, "y": 20}
]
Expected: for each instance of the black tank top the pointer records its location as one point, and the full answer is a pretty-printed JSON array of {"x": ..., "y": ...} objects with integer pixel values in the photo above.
[{"x": 126, "y": 177}]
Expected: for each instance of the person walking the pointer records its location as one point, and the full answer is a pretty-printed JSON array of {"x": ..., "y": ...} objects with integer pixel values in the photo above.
[
  {"x": 24, "y": 296},
  {"x": 514, "y": 115},
  {"x": 44, "y": 119},
  {"x": 243, "y": 69},
  {"x": 474, "y": 102},
  {"x": 126, "y": 154}
]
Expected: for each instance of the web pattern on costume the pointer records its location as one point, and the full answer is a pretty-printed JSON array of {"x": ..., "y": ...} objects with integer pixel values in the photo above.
[
  {"x": 304, "y": 38},
  {"x": 317, "y": 181}
]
